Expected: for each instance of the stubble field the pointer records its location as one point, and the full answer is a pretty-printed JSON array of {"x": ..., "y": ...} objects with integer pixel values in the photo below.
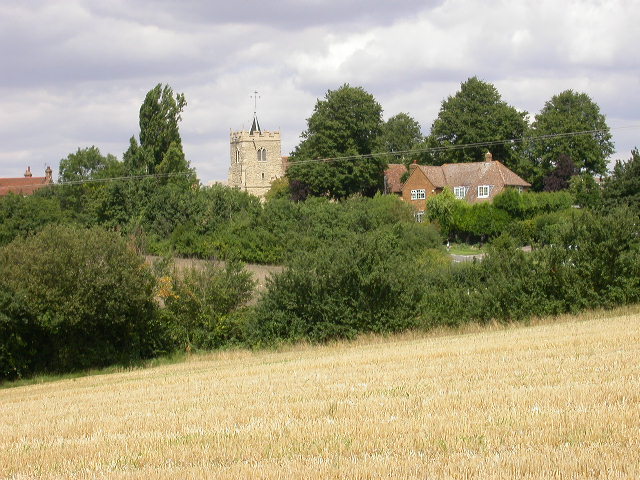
[{"x": 554, "y": 400}]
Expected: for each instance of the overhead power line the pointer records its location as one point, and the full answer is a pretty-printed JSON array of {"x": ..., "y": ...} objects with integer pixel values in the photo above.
[
  {"x": 355, "y": 157},
  {"x": 455, "y": 147}
]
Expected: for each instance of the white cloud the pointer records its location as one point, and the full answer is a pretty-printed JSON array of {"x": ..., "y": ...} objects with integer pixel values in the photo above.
[{"x": 76, "y": 72}]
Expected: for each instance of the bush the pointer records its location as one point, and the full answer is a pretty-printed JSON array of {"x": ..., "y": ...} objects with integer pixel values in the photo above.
[
  {"x": 529, "y": 204},
  {"x": 589, "y": 261},
  {"x": 83, "y": 298},
  {"x": 201, "y": 306},
  {"x": 21, "y": 216},
  {"x": 367, "y": 283}
]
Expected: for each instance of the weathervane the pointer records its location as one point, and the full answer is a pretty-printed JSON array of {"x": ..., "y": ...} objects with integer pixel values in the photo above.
[{"x": 255, "y": 97}]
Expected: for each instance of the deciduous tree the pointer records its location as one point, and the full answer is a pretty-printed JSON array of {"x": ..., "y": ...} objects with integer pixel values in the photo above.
[
  {"x": 160, "y": 146},
  {"x": 477, "y": 114},
  {"x": 570, "y": 112},
  {"x": 399, "y": 134},
  {"x": 346, "y": 123}
]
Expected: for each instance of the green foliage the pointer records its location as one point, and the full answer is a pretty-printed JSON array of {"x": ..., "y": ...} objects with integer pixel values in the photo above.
[
  {"x": 475, "y": 114},
  {"x": 366, "y": 283},
  {"x": 86, "y": 297},
  {"x": 589, "y": 261},
  {"x": 347, "y": 122},
  {"x": 202, "y": 305},
  {"x": 160, "y": 146},
  {"x": 279, "y": 189},
  {"x": 529, "y": 204},
  {"x": 21, "y": 216},
  {"x": 585, "y": 191},
  {"x": 399, "y": 134},
  {"x": 568, "y": 112},
  {"x": 480, "y": 221},
  {"x": 623, "y": 186},
  {"x": 21, "y": 337},
  {"x": 81, "y": 194},
  {"x": 88, "y": 164},
  {"x": 442, "y": 208}
]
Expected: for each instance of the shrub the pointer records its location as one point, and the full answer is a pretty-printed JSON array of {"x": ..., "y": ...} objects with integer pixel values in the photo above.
[
  {"x": 86, "y": 298},
  {"x": 367, "y": 283},
  {"x": 201, "y": 306}
]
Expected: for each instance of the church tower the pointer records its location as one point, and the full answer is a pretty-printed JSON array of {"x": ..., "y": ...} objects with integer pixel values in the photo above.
[{"x": 256, "y": 159}]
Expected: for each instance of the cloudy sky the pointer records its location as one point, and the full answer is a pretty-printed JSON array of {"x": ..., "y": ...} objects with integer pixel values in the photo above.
[{"x": 75, "y": 72}]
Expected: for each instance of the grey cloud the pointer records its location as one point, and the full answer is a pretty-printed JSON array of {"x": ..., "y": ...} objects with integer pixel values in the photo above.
[{"x": 285, "y": 14}]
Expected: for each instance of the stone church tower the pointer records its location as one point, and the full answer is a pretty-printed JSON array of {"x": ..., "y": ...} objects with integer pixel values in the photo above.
[{"x": 256, "y": 159}]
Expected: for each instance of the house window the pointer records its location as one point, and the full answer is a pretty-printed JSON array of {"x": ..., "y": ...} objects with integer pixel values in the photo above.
[
  {"x": 483, "y": 191},
  {"x": 262, "y": 155},
  {"x": 460, "y": 192},
  {"x": 419, "y": 194},
  {"x": 419, "y": 216}
]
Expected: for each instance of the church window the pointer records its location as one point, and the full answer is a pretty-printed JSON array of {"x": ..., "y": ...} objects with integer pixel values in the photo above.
[
  {"x": 237, "y": 156},
  {"x": 262, "y": 155}
]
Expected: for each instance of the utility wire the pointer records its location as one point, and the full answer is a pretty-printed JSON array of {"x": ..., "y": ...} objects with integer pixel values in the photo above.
[
  {"x": 455, "y": 147},
  {"x": 349, "y": 157}
]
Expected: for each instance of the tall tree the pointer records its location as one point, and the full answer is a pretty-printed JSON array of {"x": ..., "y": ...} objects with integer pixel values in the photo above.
[
  {"x": 570, "y": 112},
  {"x": 477, "y": 114},
  {"x": 79, "y": 198},
  {"x": 347, "y": 122},
  {"x": 160, "y": 147},
  {"x": 399, "y": 134}
]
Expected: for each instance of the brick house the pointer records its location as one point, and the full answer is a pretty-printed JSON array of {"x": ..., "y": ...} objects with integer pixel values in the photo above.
[
  {"x": 474, "y": 182},
  {"x": 26, "y": 184}
]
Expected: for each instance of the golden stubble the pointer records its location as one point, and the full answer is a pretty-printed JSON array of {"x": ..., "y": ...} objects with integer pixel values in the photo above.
[{"x": 554, "y": 400}]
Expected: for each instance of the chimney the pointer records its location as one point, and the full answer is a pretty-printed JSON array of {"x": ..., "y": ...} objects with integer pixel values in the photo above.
[
  {"x": 413, "y": 166},
  {"x": 488, "y": 157},
  {"x": 48, "y": 175},
  {"x": 28, "y": 173}
]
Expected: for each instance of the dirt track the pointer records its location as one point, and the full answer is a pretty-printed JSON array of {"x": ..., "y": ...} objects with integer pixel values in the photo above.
[{"x": 259, "y": 272}]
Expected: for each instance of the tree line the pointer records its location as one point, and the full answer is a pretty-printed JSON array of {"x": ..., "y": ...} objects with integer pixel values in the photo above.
[
  {"x": 76, "y": 292},
  {"x": 348, "y": 123}
]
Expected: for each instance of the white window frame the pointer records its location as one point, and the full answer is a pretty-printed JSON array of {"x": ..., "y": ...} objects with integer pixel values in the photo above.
[
  {"x": 460, "y": 192},
  {"x": 419, "y": 216},
  {"x": 418, "y": 194},
  {"x": 484, "y": 191}
]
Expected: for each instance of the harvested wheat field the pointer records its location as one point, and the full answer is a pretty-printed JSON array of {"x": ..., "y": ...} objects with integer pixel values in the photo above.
[{"x": 554, "y": 400}]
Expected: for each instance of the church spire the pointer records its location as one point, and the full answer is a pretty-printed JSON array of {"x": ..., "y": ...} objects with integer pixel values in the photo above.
[{"x": 255, "y": 127}]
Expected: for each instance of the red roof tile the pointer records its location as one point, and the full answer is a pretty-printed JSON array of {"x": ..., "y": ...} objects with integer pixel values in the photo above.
[
  {"x": 392, "y": 176},
  {"x": 22, "y": 185},
  {"x": 471, "y": 175}
]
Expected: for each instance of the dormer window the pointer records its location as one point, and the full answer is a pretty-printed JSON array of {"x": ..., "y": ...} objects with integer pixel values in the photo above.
[
  {"x": 262, "y": 155},
  {"x": 483, "y": 191}
]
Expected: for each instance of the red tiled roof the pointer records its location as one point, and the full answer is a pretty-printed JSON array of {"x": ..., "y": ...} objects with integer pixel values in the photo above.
[
  {"x": 459, "y": 174},
  {"x": 392, "y": 176},
  {"x": 22, "y": 185},
  {"x": 471, "y": 175}
]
